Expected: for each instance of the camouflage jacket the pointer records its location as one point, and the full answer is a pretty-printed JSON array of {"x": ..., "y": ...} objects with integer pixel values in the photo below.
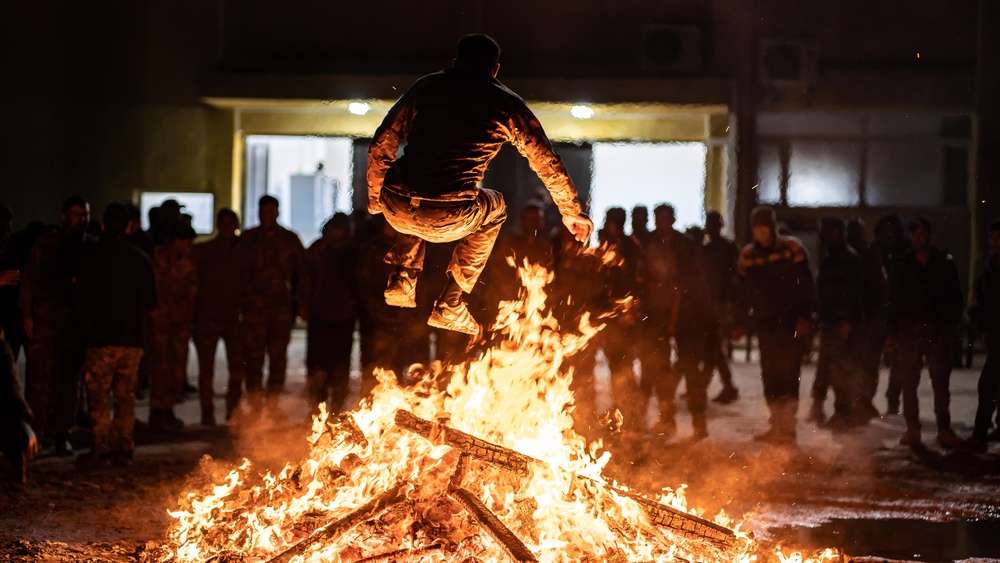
[
  {"x": 453, "y": 123},
  {"x": 273, "y": 268},
  {"x": 47, "y": 281},
  {"x": 176, "y": 283},
  {"x": 776, "y": 283}
]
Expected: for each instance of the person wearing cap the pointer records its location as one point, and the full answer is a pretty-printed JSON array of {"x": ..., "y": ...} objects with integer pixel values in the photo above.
[
  {"x": 841, "y": 292},
  {"x": 170, "y": 322},
  {"x": 115, "y": 289},
  {"x": 453, "y": 123},
  {"x": 926, "y": 306},
  {"x": 273, "y": 267},
  {"x": 777, "y": 285}
]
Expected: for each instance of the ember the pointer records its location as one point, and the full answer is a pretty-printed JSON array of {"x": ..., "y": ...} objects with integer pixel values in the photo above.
[{"x": 477, "y": 463}]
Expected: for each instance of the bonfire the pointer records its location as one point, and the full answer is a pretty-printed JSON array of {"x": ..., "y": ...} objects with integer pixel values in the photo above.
[{"x": 478, "y": 462}]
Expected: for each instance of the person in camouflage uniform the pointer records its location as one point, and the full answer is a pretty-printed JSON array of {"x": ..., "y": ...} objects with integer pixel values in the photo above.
[
  {"x": 170, "y": 322},
  {"x": 273, "y": 267},
  {"x": 453, "y": 123},
  {"x": 219, "y": 263},
  {"x": 115, "y": 290},
  {"x": 52, "y": 385}
]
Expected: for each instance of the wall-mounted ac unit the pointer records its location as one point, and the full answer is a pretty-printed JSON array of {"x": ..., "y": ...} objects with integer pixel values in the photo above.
[
  {"x": 676, "y": 49},
  {"x": 788, "y": 62}
]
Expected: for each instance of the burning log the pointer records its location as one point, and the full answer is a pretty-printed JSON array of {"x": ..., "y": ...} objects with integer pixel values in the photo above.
[
  {"x": 677, "y": 521},
  {"x": 366, "y": 512},
  {"x": 465, "y": 443},
  {"x": 506, "y": 538}
]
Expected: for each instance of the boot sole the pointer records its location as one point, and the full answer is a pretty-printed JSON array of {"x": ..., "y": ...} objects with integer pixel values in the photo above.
[
  {"x": 436, "y": 320},
  {"x": 404, "y": 301}
]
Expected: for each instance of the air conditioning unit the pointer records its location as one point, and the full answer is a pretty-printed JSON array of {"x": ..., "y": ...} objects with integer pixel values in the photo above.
[
  {"x": 676, "y": 49},
  {"x": 786, "y": 63}
]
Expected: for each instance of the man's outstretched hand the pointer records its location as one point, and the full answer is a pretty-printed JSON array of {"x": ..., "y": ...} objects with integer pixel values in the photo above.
[{"x": 580, "y": 225}]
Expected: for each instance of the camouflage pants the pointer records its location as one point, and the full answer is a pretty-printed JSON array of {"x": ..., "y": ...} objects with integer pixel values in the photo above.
[
  {"x": 169, "y": 348},
  {"x": 112, "y": 371},
  {"x": 267, "y": 331},
  {"x": 207, "y": 334},
  {"x": 52, "y": 382},
  {"x": 475, "y": 223}
]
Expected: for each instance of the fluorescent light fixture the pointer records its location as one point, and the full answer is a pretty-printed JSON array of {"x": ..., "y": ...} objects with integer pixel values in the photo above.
[
  {"x": 581, "y": 112},
  {"x": 358, "y": 108}
]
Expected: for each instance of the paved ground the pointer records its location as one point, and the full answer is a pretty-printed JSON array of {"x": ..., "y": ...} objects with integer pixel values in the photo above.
[{"x": 860, "y": 491}]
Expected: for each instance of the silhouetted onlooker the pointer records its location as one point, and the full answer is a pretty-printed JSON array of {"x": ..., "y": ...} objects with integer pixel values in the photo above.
[
  {"x": 328, "y": 302},
  {"x": 876, "y": 302},
  {"x": 840, "y": 289},
  {"x": 675, "y": 307},
  {"x": 988, "y": 324},
  {"x": 219, "y": 263},
  {"x": 170, "y": 323},
  {"x": 640, "y": 225},
  {"x": 274, "y": 266},
  {"x": 115, "y": 290},
  {"x": 926, "y": 304},
  {"x": 52, "y": 382},
  {"x": 618, "y": 339},
  {"x": 777, "y": 284},
  {"x": 11, "y": 265},
  {"x": 168, "y": 213},
  {"x": 720, "y": 255},
  {"x": 892, "y": 242}
]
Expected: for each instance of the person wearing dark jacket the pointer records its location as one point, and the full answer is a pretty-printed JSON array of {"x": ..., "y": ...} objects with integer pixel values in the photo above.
[
  {"x": 453, "y": 123},
  {"x": 840, "y": 289},
  {"x": 777, "y": 285},
  {"x": 219, "y": 264},
  {"x": 988, "y": 324},
  {"x": 926, "y": 303},
  {"x": 115, "y": 289},
  {"x": 876, "y": 304},
  {"x": 674, "y": 307},
  {"x": 720, "y": 254},
  {"x": 329, "y": 304},
  {"x": 18, "y": 442},
  {"x": 892, "y": 243},
  {"x": 52, "y": 382}
]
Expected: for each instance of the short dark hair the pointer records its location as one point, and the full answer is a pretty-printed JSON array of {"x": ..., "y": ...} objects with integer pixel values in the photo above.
[
  {"x": 477, "y": 50},
  {"x": 226, "y": 212},
  {"x": 921, "y": 222},
  {"x": 74, "y": 201},
  {"x": 134, "y": 213},
  {"x": 340, "y": 221},
  {"x": 116, "y": 217},
  {"x": 266, "y": 199},
  {"x": 830, "y": 221},
  {"x": 615, "y": 215},
  {"x": 664, "y": 207},
  {"x": 994, "y": 226}
]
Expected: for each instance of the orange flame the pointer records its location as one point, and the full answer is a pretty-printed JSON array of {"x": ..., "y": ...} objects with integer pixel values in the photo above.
[{"x": 516, "y": 395}]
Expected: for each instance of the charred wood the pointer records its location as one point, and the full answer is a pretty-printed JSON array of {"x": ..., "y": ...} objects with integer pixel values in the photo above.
[{"x": 506, "y": 538}]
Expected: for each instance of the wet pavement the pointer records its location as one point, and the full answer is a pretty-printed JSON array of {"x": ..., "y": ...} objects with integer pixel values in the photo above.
[{"x": 859, "y": 491}]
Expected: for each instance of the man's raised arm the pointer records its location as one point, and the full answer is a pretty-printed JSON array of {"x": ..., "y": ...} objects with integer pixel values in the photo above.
[{"x": 385, "y": 143}]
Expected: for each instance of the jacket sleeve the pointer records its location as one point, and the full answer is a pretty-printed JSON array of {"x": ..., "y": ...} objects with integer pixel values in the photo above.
[
  {"x": 385, "y": 143},
  {"x": 530, "y": 140}
]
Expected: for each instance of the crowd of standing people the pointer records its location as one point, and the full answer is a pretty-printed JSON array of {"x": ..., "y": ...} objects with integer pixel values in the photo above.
[{"x": 106, "y": 310}]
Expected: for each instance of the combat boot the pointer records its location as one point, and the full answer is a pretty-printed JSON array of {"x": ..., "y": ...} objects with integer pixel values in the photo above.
[
  {"x": 401, "y": 290},
  {"x": 456, "y": 318}
]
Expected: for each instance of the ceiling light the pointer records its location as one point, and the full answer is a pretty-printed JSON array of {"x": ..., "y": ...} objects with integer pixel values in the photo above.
[
  {"x": 582, "y": 112},
  {"x": 358, "y": 108}
]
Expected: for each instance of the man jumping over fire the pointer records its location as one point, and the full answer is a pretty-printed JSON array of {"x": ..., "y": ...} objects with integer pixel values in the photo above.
[{"x": 453, "y": 123}]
